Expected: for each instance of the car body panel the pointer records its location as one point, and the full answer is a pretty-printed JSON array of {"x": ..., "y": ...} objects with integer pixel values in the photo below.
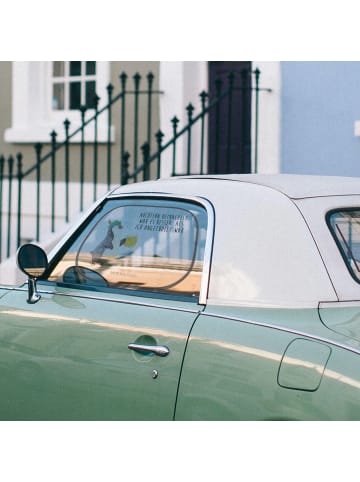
[
  {"x": 67, "y": 357},
  {"x": 252, "y": 370}
]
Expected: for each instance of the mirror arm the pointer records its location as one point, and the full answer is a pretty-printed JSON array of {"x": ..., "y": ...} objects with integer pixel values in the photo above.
[{"x": 33, "y": 295}]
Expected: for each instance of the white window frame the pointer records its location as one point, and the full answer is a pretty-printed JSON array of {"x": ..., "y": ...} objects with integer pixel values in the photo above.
[{"x": 33, "y": 118}]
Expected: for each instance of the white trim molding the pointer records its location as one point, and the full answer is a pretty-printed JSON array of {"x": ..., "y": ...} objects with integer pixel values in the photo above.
[{"x": 33, "y": 118}]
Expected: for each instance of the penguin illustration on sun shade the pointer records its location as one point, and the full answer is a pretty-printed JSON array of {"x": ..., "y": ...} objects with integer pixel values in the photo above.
[{"x": 106, "y": 243}]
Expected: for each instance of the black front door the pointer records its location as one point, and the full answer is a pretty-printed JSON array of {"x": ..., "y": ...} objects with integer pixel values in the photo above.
[{"x": 230, "y": 118}]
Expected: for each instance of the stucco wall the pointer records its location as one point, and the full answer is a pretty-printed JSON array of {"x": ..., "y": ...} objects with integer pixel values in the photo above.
[{"x": 320, "y": 102}]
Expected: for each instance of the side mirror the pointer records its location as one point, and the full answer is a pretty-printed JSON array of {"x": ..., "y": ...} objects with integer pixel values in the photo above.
[{"x": 32, "y": 261}]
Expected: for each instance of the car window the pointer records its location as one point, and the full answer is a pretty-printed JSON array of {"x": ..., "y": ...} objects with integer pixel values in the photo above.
[
  {"x": 152, "y": 245},
  {"x": 345, "y": 227}
]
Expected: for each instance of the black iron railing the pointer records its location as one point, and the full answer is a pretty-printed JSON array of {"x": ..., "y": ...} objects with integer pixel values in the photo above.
[
  {"x": 224, "y": 93},
  {"x": 72, "y": 151},
  {"x": 144, "y": 162}
]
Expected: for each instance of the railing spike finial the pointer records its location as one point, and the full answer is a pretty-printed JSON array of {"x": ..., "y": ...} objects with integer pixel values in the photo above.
[
  {"x": 150, "y": 77},
  {"x": 67, "y": 127},
  {"x": 125, "y": 168},
  {"x": 190, "y": 109},
  {"x": 19, "y": 158},
  {"x": 123, "y": 78},
  {"x": 137, "y": 78}
]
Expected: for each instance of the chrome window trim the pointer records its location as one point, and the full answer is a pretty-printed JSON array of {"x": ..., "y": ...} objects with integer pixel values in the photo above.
[
  {"x": 115, "y": 300},
  {"x": 205, "y": 203}
]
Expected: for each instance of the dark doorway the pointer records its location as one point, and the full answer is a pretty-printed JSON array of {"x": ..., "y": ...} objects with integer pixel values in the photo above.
[{"x": 230, "y": 120}]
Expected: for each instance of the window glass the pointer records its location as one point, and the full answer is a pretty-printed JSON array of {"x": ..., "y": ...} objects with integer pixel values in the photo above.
[
  {"x": 345, "y": 227},
  {"x": 74, "y": 84},
  {"x": 90, "y": 94},
  {"x": 154, "y": 245},
  {"x": 75, "y": 95},
  {"x": 75, "y": 68},
  {"x": 90, "y": 68},
  {"x": 58, "y": 96},
  {"x": 58, "y": 69}
]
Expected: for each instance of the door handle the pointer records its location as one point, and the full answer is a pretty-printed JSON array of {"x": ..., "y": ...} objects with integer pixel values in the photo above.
[{"x": 158, "y": 350}]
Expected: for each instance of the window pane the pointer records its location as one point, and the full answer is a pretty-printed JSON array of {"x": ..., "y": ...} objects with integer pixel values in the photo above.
[
  {"x": 154, "y": 246},
  {"x": 75, "y": 68},
  {"x": 58, "y": 69},
  {"x": 345, "y": 227},
  {"x": 58, "y": 97},
  {"x": 90, "y": 68},
  {"x": 75, "y": 95},
  {"x": 90, "y": 94}
]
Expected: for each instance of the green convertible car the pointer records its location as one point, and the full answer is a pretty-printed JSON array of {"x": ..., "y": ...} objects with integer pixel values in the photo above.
[{"x": 198, "y": 298}]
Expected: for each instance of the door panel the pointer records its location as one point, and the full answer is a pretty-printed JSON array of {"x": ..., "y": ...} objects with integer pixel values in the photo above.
[{"x": 67, "y": 356}]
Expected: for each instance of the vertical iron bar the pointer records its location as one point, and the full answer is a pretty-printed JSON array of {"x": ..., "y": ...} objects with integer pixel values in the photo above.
[
  {"x": 123, "y": 78},
  {"x": 53, "y": 179},
  {"x": 38, "y": 148},
  {"x": 244, "y": 143},
  {"x": 110, "y": 89},
  {"x": 67, "y": 125},
  {"x": 82, "y": 157},
  {"x": 229, "y": 126},
  {"x": 150, "y": 78},
  {"x": 257, "y": 77},
  {"x": 218, "y": 84},
  {"x": 190, "y": 110},
  {"x": 159, "y": 135},
  {"x": 10, "y": 177},
  {"x": 19, "y": 158},
  {"x": 96, "y": 101},
  {"x": 137, "y": 78},
  {"x": 125, "y": 168},
  {"x": 203, "y": 97},
  {"x": 2, "y": 162},
  {"x": 146, "y": 152},
  {"x": 175, "y": 122}
]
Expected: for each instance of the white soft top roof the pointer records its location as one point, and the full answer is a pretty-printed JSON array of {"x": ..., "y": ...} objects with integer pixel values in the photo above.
[{"x": 295, "y": 186}]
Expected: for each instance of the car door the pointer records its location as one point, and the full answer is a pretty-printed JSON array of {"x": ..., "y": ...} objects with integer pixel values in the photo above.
[{"x": 107, "y": 338}]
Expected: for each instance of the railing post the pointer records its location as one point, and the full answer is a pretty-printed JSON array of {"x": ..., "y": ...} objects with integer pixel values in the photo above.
[
  {"x": 96, "y": 102},
  {"x": 229, "y": 123},
  {"x": 190, "y": 110},
  {"x": 125, "y": 168},
  {"x": 10, "y": 178},
  {"x": 82, "y": 157},
  {"x": 137, "y": 78},
  {"x": 159, "y": 136},
  {"x": 257, "y": 77},
  {"x": 19, "y": 158},
  {"x": 123, "y": 78},
  {"x": 175, "y": 122},
  {"x": 150, "y": 78},
  {"x": 245, "y": 141},
  {"x": 146, "y": 154},
  {"x": 203, "y": 97},
  {"x": 218, "y": 84},
  {"x": 53, "y": 179},
  {"x": 67, "y": 125},
  {"x": 110, "y": 89},
  {"x": 38, "y": 147}
]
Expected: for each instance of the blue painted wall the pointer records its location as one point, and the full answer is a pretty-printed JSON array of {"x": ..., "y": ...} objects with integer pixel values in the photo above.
[{"x": 319, "y": 106}]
